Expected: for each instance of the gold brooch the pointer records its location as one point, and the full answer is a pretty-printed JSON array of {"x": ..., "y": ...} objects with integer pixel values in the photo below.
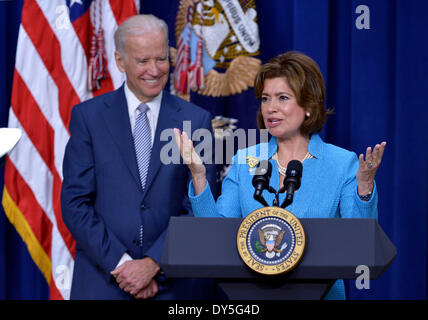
[{"x": 252, "y": 162}]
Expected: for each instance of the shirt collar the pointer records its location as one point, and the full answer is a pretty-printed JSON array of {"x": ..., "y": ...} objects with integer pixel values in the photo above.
[{"x": 134, "y": 102}]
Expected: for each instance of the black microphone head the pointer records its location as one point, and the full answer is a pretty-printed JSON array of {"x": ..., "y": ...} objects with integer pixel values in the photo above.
[
  {"x": 294, "y": 173},
  {"x": 294, "y": 168},
  {"x": 262, "y": 174}
]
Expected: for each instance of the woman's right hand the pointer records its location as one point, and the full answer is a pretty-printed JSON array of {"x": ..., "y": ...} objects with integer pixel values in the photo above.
[{"x": 193, "y": 161}]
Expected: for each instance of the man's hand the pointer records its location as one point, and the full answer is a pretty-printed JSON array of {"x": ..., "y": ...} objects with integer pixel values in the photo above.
[
  {"x": 148, "y": 292},
  {"x": 135, "y": 275}
]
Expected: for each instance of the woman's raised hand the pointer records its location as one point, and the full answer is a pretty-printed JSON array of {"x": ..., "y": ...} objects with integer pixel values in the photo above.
[
  {"x": 192, "y": 159},
  {"x": 368, "y": 167}
]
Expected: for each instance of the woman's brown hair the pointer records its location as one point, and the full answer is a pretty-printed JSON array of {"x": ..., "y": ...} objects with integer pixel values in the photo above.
[{"x": 305, "y": 79}]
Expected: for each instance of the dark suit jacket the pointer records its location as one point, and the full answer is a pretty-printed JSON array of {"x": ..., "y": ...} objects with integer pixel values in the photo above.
[{"x": 103, "y": 204}]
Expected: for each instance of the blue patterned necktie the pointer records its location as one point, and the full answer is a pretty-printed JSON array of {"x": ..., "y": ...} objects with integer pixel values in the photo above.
[{"x": 143, "y": 142}]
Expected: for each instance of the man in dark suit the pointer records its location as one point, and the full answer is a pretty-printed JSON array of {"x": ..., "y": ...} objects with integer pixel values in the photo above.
[{"x": 117, "y": 195}]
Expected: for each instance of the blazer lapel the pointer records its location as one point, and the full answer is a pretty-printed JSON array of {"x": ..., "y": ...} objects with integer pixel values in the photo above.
[
  {"x": 312, "y": 171},
  {"x": 168, "y": 119},
  {"x": 117, "y": 119}
]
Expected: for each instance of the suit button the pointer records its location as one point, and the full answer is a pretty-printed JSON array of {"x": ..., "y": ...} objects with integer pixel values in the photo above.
[{"x": 143, "y": 206}]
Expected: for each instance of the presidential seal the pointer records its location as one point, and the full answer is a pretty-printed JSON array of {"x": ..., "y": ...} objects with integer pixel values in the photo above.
[{"x": 271, "y": 240}]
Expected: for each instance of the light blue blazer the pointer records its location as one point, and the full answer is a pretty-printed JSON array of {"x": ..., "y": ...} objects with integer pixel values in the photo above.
[{"x": 328, "y": 189}]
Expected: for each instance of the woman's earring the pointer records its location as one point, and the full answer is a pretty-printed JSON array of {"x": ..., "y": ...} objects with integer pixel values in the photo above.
[{"x": 308, "y": 114}]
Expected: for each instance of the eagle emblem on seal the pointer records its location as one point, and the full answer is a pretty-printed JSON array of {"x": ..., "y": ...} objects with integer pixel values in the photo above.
[
  {"x": 271, "y": 237},
  {"x": 217, "y": 41}
]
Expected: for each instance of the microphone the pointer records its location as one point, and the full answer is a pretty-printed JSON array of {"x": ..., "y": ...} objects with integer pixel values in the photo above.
[
  {"x": 261, "y": 180},
  {"x": 292, "y": 179}
]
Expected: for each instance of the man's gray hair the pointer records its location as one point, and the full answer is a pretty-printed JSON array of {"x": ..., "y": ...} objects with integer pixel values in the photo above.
[{"x": 136, "y": 26}]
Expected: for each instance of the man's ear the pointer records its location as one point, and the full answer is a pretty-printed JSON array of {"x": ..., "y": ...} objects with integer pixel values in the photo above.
[{"x": 119, "y": 61}]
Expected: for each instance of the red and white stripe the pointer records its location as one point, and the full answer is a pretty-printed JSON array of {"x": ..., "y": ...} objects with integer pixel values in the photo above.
[{"x": 50, "y": 78}]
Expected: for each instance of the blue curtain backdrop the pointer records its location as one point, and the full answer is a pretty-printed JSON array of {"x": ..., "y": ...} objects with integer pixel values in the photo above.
[{"x": 376, "y": 83}]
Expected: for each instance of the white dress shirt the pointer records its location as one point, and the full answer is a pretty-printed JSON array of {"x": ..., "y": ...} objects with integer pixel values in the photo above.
[{"x": 152, "y": 115}]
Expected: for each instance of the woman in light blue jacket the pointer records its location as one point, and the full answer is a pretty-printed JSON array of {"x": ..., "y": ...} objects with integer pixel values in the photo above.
[{"x": 335, "y": 183}]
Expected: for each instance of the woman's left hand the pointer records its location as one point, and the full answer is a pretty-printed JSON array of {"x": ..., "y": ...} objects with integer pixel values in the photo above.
[{"x": 368, "y": 167}]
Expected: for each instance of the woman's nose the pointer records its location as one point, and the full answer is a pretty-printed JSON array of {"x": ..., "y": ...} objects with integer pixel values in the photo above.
[{"x": 272, "y": 106}]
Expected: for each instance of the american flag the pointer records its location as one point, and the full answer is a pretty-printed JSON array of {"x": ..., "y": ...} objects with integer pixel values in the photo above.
[{"x": 50, "y": 77}]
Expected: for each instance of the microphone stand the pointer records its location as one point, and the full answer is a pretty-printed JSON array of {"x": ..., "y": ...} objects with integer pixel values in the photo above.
[
  {"x": 288, "y": 198},
  {"x": 276, "y": 200},
  {"x": 287, "y": 201},
  {"x": 263, "y": 201},
  {"x": 286, "y": 187}
]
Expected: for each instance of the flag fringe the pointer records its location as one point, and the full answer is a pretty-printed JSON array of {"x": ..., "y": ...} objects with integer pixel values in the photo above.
[{"x": 17, "y": 219}]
